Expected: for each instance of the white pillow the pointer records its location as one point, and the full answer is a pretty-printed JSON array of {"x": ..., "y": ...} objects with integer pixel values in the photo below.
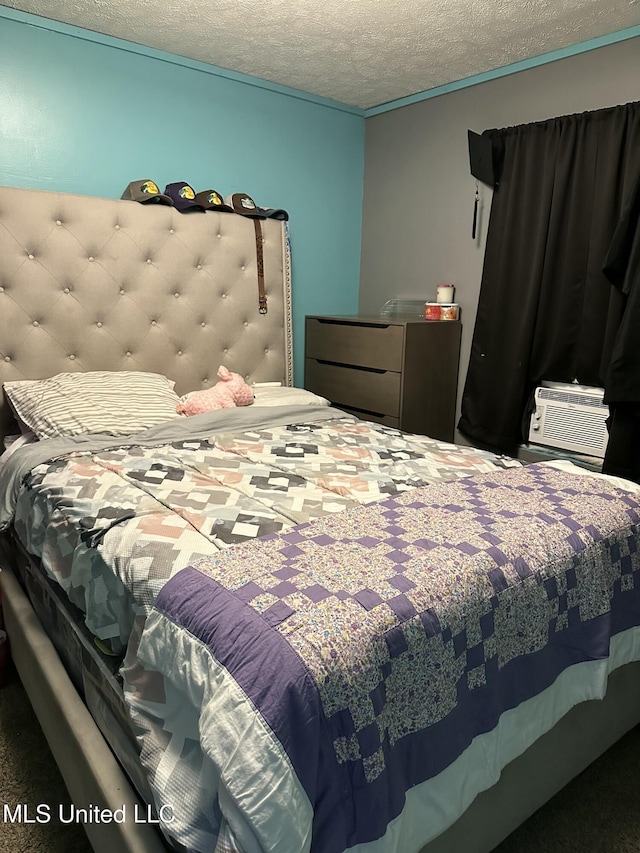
[
  {"x": 114, "y": 402},
  {"x": 283, "y": 396}
]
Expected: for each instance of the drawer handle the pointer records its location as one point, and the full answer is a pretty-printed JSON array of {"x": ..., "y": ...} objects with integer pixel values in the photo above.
[
  {"x": 364, "y": 411},
  {"x": 352, "y": 366},
  {"x": 358, "y": 325}
]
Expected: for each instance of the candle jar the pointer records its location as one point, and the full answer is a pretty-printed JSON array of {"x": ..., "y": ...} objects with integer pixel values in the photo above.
[
  {"x": 450, "y": 311},
  {"x": 444, "y": 293},
  {"x": 432, "y": 310}
]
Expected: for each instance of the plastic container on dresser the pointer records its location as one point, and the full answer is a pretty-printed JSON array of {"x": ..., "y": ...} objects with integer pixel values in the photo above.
[{"x": 401, "y": 372}]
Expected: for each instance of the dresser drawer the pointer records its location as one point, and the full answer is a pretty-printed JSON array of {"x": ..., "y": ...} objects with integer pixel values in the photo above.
[
  {"x": 361, "y": 344},
  {"x": 369, "y": 390},
  {"x": 387, "y": 420}
]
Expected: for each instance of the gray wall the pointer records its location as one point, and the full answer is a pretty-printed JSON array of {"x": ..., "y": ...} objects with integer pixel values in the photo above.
[{"x": 418, "y": 192}]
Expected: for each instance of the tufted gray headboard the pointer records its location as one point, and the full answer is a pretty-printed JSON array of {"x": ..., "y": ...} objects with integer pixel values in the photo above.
[{"x": 100, "y": 284}]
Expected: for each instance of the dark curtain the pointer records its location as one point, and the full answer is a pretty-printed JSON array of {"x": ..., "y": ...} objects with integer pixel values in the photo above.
[
  {"x": 622, "y": 386},
  {"x": 546, "y": 309}
]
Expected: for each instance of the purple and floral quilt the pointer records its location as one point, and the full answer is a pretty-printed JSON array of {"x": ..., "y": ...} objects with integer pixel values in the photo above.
[{"x": 360, "y": 654}]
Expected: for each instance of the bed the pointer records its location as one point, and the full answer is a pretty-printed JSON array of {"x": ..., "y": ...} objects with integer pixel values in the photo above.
[{"x": 277, "y": 627}]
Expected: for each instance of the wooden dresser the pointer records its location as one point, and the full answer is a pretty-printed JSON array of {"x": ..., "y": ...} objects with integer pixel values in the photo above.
[{"x": 399, "y": 372}]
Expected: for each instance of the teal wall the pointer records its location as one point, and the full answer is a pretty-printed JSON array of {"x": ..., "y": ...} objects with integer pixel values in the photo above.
[{"x": 84, "y": 113}]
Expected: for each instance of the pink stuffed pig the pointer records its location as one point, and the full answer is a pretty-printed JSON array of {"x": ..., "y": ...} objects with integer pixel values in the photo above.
[{"x": 231, "y": 391}]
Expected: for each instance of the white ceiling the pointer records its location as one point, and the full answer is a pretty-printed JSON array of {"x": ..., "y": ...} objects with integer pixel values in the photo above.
[{"x": 360, "y": 52}]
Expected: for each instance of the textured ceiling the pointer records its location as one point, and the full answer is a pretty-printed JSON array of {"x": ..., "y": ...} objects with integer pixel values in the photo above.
[{"x": 360, "y": 52}]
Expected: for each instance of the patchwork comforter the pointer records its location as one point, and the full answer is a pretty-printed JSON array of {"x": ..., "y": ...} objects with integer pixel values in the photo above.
[
  {"x": 378, "y": 631},
  {"x": 112, "y": 519}
]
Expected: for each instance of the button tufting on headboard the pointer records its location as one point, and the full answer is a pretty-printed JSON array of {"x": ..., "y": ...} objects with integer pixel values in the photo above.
[{"x": 119, "y": 285}]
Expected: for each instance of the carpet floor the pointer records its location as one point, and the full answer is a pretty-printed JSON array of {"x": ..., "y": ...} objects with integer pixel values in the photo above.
[
  {"x": 597, "y": 813},
  {"x": 29, "y": 777}
]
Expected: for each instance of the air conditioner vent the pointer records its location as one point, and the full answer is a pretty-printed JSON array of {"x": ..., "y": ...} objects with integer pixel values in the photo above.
[
  {"x": 561, "y": 423},
  {"x": 575, "y": 398}
]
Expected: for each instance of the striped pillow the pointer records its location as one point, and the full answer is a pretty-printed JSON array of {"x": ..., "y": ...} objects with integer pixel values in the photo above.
[{"x": 117, "y": 403}]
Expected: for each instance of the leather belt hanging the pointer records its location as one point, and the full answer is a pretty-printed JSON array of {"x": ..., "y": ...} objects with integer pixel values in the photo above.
[{"x": 262, "y": 296}]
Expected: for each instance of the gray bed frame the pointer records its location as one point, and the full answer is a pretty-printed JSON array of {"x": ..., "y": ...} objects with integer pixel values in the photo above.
[{"x": 100, "y": 284}]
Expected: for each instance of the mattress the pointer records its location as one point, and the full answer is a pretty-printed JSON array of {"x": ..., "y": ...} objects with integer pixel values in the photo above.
[{"x": 234, "y": 558}]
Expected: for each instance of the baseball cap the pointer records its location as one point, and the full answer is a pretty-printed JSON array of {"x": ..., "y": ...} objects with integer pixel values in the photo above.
[
  {"x": 244, "y": 205},
  {"x": 274, "y": 213},
  {"x": 212, "y": 200},
  {"x": 183, "y": 196},
  {"x": 145, "y": 191}
]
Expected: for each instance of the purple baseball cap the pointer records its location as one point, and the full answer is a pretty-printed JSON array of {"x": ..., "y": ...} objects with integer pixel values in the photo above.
[{"x": 183, "y": 196}]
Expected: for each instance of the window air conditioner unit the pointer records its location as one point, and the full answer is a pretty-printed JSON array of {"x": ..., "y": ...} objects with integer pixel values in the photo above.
[{"x": 570, "y": 417}]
